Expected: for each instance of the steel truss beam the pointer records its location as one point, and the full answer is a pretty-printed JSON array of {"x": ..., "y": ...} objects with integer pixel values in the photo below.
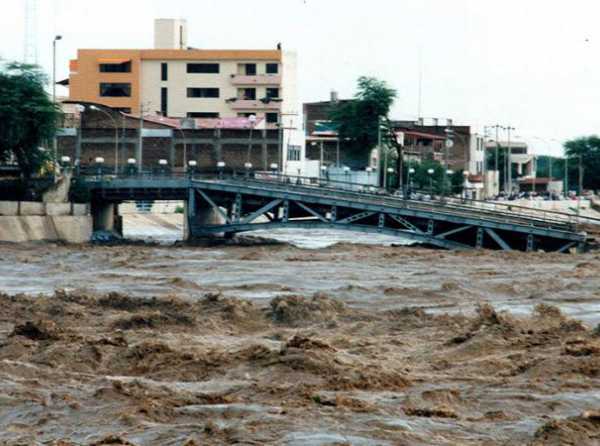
[
  {"x": 317, "y": 224},
  {"x": 214, "y": 205},
  {"x": 311, "y": 211},
  {"x": 505, "y": 246},
  {"x": 266, "y": 208}
]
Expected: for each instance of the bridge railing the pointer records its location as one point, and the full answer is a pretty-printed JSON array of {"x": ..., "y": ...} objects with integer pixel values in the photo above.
[
  {"x": 499, "y": 211},
  {"x": 504, "y": 212}
]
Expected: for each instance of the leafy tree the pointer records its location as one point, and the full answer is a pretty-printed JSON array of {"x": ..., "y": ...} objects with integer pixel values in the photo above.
[
  {"x": 358, "y": 120},
  {"x": 588, "y": 148},
  {"x": 28, "y": 117}
]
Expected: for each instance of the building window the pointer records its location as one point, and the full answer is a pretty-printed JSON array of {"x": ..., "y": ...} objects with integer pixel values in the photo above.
[
  {"x": 273, "y": 93},
  {"x": 205, "y": 115},
  {"x": 206, "y": 68},
  {"x": 250, "y": 69},
  {"x": 202, "y": 92},
  {"x": 248, "y": 94},
  {"x": 124, "y": 67},
  {"x": 272, "y": 68},
  {"x": 164, "y": 72},
  {"x": 115, "y": 90},
  {"x": 293, "y": 153},
  {"x": 164, "y": 100},
  {"x": 272, "y": 118}
]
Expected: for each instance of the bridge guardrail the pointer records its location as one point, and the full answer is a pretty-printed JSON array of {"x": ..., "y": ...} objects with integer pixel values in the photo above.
[{"x": 505, "y": 212}]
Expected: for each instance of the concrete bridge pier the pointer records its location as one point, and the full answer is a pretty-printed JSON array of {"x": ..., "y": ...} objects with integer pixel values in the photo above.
[
  {"x": 106, "y": 217},
  {"x": 198, "y": 213}
]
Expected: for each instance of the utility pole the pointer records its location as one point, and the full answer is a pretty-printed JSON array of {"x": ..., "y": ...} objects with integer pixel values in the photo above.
[
  {"x": 580, "y": 185},
  {"x": 140, "y": 148},
  {"x": 54, "y": 140},
  {"x": 509, "y": 161}
]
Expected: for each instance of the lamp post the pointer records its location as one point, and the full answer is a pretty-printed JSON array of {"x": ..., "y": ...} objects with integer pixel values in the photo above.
[
  {"x": 220, "y": 167},
  {"x": 448, "y": 181},
  {"x": 95, "y": 108},
  {"x": 347, "y": 175},
  {"x": 162, "y": 163},
  {"x": 56, "y": 39},
  {"x": 99, "y": 162},
  {"x": 430, "y": 173},
  {"x": 252, "y": 119},
  {"x": 409, "y": 181},
  {"x": 131, "y": 166},
  {"x": 390, "y": 172},
  {"x": 466, "y": 182},
  {"x": 369, "y": 171},
  {"x": 192, "y": 167}
]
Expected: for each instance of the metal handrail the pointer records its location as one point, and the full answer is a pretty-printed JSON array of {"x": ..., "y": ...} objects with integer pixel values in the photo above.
[
  {"x": 435, "y": 207},
  {"x": 294, "y": 183}
]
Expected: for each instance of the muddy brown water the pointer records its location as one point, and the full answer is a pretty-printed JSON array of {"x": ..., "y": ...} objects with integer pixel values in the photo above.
[{"x": 350, "y": 344}]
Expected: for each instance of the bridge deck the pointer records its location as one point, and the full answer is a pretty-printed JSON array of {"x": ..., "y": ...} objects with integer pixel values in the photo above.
[{"x": 451, "y": 223}]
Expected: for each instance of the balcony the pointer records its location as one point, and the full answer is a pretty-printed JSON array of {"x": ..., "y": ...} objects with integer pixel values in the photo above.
[
  {"x": 258, "y": 104},
  {"x": 260, "y": 79}
]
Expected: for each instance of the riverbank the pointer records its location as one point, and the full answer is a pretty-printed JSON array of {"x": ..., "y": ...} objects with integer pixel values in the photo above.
[{"x": 280, "y": 345}]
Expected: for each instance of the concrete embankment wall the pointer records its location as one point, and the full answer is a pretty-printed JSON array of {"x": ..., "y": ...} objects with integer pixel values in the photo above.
[{"x": 22, "y": 221}]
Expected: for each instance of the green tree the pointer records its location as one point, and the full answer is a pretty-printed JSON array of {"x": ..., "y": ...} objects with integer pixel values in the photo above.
[
  {"x": 28, "y": 117},
  {"x": 588, "y": 148},
  {"x": 358, "y": 121}
]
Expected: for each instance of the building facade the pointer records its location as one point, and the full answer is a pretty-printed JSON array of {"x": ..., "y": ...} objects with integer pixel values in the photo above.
[{"x": 174, "y": 80}]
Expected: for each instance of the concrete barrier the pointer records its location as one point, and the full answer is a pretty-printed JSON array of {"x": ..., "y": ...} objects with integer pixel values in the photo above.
[
  {"x": 80, "y": 210},
  {"x": 9, "y": 208},
  {"x": 56, "y": 209},
  {"x": 72, "y": 229},
  {"x": 29, "y": 208},
  {"x": 67, "y": 228}
]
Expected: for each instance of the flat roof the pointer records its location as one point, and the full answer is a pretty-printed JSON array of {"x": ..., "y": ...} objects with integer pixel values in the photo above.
[{"x": 191, "y": 54}]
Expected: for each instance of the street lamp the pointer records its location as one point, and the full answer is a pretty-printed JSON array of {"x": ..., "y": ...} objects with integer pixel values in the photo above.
[
  {"x": 248, "y": 166},
  {"x": 409, "y": 181},
  {"x": 252, "y": 119},
  {"x": 192, "y": 167},
  {"x": 131, "y": 166},
  {"x": 221, "y": 166},
  {"x": 99, "y": 162},
  {"x": 95, "y": 108},
  {"x": 162, "y": 163},
  {"x": 430, "y": 172},
  {"x": 56, "y": 39},
  {"x": 390, "y": 172}
]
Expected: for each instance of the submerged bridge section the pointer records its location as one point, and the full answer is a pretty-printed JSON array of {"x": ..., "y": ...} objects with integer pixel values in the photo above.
[{"x": 228, "y": 205}]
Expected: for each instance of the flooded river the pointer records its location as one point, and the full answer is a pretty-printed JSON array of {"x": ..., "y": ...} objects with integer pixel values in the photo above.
[{"x": 342, "y": 343}]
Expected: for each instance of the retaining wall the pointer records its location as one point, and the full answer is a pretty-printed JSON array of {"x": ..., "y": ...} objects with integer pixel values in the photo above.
[{"x": 33, "y": 221}]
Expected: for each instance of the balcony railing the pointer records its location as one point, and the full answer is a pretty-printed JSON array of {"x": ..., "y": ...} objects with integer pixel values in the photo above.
[
  {"x": 248, "y": 104},
  {"x": 260, "y": 79}
]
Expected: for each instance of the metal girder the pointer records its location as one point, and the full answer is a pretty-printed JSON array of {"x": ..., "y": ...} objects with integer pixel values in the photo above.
[
  {"x": 267, "y": 207},
  {"x": 214, "y": 206},
  {"x": 453, "y": 231},
  {"x": 530, "y": 242},
  {"x": 479, "y": 242},
  {"x": 237, "y": 211},
  {"x": 286, "y": 210},
  {"x": 430, "y": 227},
  {"x": 405, "y": 223},
  {"x": 381, "y": 223},
  {"x": 505, "y": 246},
  {"x": 314, "y": 224},
  {"x": 356, "y": 217},
  {"x": 567, "y": 247},
  {"x": 311, "y": 211}
]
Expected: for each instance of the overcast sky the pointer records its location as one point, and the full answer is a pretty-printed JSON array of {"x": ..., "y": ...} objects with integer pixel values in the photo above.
[{"x": 532, "y": 64}]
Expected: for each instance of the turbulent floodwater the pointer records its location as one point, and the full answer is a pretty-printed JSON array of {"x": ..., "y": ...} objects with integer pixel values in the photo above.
[{"x": 360, "y": 344}]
